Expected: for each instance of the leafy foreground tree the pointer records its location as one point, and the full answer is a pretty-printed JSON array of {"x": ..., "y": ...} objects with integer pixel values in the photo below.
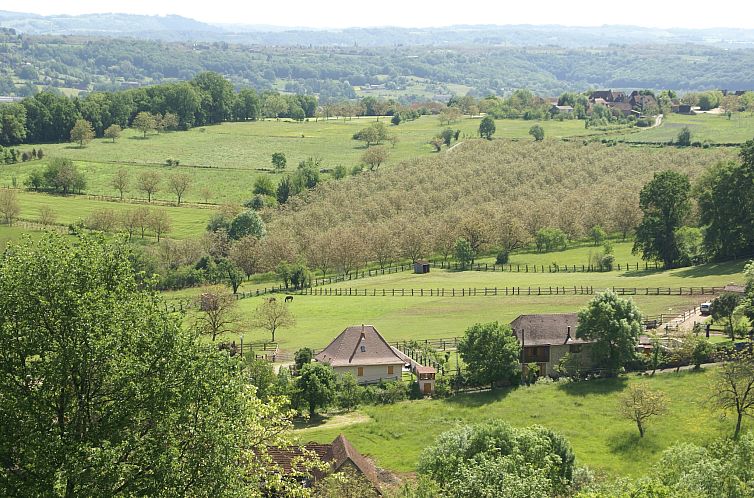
[
  {"x": 495, "y": 459},
  {"x": 491, "y": 354},
  {"x": 614, "y": 324},
  {"x": 104, "y": 393},
  {"x": 687, "y": 470}
]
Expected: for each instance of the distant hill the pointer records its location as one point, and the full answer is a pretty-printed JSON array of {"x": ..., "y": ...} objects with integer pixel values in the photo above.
[
  {"x": 177, "y": 28},
  {"x": 147, "y": 27}
]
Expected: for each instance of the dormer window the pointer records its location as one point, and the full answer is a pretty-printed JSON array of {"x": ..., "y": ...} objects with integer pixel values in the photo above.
[{"x": 363, "y": 348}]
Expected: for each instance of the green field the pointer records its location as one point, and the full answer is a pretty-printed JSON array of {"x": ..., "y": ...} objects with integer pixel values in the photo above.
[
  {"x": 585, "y": 413},
  {"x": 713, "y": 128},
  {"x": 224, "y": 159},
  {"x": 185, "y": 221},
  {"x": 320, "y": 318}
]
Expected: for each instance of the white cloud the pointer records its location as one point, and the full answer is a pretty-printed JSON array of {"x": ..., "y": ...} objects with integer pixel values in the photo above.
[{"x": 415, "y": 13}]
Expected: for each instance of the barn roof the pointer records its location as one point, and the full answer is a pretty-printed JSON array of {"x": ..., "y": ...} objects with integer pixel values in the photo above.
[
  {"x": 360, "y": 345},
  {"x": 547, "y": 329}
]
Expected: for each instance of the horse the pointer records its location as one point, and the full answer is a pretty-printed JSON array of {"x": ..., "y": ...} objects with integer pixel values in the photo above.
[{"x": 288, "y": 299}]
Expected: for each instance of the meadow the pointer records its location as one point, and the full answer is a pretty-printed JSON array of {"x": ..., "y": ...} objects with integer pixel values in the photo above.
[
  {"x": 585, "y": 413},
  {"x": 224, "y": 159},
  {"x": 320, "y": 318},
  {"x": 713, "y": 128},
  {"x": 185, "y": 221}
]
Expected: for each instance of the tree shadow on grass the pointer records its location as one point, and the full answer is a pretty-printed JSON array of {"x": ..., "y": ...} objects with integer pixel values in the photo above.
[
  {"x": 726, "y": 268},
  {"x": 629, "y": 442},
  {"x": 481, "y": 398},
  {"x": 309, "y": 423},
  {"x": 595, "y": 386}
]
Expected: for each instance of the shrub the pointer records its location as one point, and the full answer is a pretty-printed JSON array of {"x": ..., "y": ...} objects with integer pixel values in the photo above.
[{"x": 502, "y": 258}]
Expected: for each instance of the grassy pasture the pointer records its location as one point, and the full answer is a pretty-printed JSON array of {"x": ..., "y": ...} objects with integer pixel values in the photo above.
[
  {"x": 585, "y": 413},
  {"x": 226, "y": 158},
  {"x": 185, "y": 221},
  {"x": 715, "y": 128},
  {"x": 320, "y": 318}
]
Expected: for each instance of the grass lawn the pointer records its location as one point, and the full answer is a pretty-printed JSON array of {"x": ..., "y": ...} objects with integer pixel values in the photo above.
[
  {"x": 585, "y": 413},
  {"x": 228, "y": 157},
  {"x": 185, "y": 221},
  {"x": 320, "y": 318},
  {"x": 10, "y": 234},
  {"x": 715, "y": 128},
  {"x": 576, "y": 254}
]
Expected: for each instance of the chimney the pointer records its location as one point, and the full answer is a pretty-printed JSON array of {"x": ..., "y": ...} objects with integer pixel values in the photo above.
[{"x": 568, "y": 335}]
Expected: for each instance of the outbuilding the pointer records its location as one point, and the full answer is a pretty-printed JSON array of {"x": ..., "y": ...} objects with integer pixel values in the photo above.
[{"x": 421, "y": 266}]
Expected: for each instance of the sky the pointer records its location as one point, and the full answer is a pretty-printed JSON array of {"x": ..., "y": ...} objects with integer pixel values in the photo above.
[{"x": 416, "y": 13}]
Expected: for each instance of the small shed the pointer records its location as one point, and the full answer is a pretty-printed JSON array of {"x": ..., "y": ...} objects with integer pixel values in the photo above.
[
  {"x": 426, "y": 378},
  {"x": 421, "y": 266}
]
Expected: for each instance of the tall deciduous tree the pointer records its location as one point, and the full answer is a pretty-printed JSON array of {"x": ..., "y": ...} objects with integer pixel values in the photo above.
[
  {"x": 82, "y": 132},
  {"x": 723, "y": 307},
  {"x": 734, "y": 387},
  {"x": 665, "y": 204},
  {"x": 179, "y": 183},
  {"x": 316, "y": 386},
  {"x": 144, "y": 122},
  {"x": 149, "y": 183},
  {"x": 491, "y": 353},
  {"x": 105, "y": 393},
  {"x": 217, "y": 314},
  {"x": 159, "y": 222},
  {"x": 113, "y": 132},
  {"x": 272, "y": 315},
  {"x": 487, "y": 128},
  {"x": 614, "y": 325},
  {"x": 9, "y": 206},
  {"x": 120, "y": 181},
  {"x": 375, "y": 156},
  {"x": 278, "y": 161}
]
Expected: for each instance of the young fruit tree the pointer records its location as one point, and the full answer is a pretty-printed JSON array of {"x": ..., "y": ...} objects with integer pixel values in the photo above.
[
  {"x": 639, "y": 403},
  {"x": 733, "y": 389},
  {"x": 272, "y": 315}
]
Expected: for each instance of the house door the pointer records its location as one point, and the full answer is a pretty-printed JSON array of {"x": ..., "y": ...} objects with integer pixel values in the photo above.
[{"x": 428, "y": 388}]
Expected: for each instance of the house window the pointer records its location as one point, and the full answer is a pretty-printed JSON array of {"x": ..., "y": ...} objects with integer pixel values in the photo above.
[
  {"x": 574, "y": 348},
  {"x": 363, "y": 348},
  {"x": 360, "y": 372},
  {"x": 390, "y": 369}
]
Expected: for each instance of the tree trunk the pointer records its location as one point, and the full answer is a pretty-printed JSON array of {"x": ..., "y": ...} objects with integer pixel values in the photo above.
[
  {"x": 738, "y": 425},
  {"x": 641, "y": 428}
]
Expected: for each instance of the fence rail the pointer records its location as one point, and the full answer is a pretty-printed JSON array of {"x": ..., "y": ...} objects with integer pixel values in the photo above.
[
  {"x": 527, "y": 268},
  {"x": 510, "y": 291}
]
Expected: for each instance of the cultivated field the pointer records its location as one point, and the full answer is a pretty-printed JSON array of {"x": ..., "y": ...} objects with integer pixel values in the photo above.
[
  {"x": 713, "y": 128},
  {"x": 224, "y": 159},
  {"x": 585, "y": 413}
]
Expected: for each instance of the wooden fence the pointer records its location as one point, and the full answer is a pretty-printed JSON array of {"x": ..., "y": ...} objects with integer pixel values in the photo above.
[
  {"x": 511, "y": 291},
  {"x": 526, "y": 268}
]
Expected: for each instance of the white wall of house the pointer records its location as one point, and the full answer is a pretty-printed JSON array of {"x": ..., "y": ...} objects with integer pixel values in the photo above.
[{"x": 372, "y": 373}]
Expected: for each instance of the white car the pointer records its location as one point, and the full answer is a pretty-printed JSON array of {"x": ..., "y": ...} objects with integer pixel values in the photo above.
[{"x": 704, "y": 308}]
